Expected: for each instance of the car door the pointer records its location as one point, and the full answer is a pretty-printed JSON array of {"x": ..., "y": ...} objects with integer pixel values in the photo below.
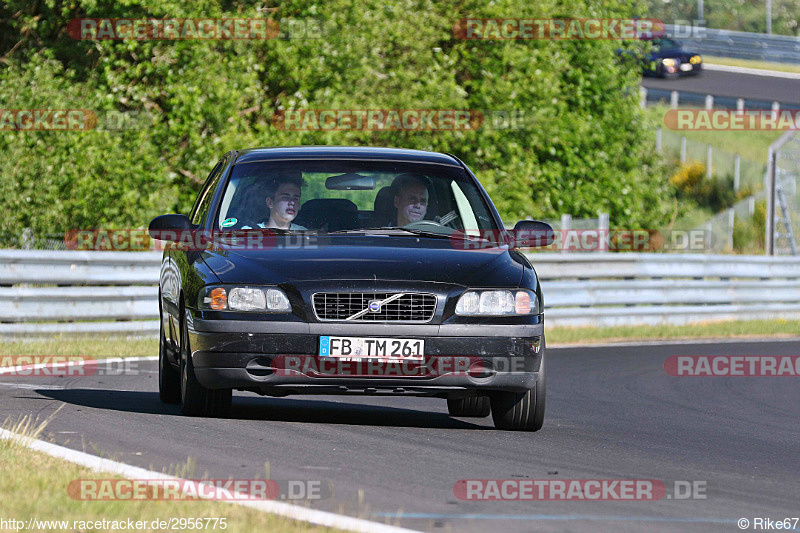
[{"x": 180, "y": 259}]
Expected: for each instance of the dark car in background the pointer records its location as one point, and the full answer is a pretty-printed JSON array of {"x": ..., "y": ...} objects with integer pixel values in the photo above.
[
  {"x": 384, "y": 279},
  {"x": 668, "y": 59}
]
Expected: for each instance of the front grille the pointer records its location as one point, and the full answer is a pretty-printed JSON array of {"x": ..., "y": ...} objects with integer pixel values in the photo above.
[{"x": 410, "y": 307}]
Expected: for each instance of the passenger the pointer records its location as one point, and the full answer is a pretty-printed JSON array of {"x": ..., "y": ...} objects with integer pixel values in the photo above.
[
  {"x": 283, "y": 201},
  {"x": 411, "y": 198}
]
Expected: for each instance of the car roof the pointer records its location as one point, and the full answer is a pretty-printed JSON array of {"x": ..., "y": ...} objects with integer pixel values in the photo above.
[{"x": 345, "y": 152}]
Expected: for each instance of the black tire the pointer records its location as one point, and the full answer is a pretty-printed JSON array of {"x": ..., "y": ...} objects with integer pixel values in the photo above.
[
  {"x": 474, "y": 406},
  {"x": 521, "y": 411},
  {"x": 169, "y": 380},
  {"x": 197, "y": 400}
]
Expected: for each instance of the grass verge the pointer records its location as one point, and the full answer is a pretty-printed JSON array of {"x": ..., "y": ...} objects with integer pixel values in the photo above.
[
  {"x": 98, "y": 347},
  {"x": 750, "y": 145},
  {"x": 702, "y": 330},
  {"x": 34, "y": 485},
  {"x": 751, "y": 63}
]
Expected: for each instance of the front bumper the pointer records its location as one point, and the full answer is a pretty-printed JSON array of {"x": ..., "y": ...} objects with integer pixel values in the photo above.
[{"x": 280, "y": 358}]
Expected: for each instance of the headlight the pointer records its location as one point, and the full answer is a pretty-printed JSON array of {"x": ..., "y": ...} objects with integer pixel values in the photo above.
[
  {"x": 263, "y": 299},
  {"x": 695, "y": 60},
  {"x": 498, "y": 303},
  {"x": 668, "y": 62},
  {"x": 244, "y": 299}
]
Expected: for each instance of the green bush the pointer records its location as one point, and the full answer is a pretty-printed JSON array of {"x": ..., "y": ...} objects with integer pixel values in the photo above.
[
  {"x": 691, "y": 183},
  {"x": 589, "y": 150}
]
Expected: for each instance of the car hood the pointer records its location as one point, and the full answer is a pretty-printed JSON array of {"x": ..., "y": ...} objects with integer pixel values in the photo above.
[
  {"x": 675, "y": 53},
  {"x": 383, "y": 258}
]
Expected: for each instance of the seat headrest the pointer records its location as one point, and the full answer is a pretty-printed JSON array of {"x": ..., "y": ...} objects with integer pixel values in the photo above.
[
  {"x": 329, "y": 214},
  {"x": 383, "y": 208}
]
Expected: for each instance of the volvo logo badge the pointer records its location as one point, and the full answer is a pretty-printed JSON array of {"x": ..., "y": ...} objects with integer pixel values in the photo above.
[{"x": 374, "y": 306}]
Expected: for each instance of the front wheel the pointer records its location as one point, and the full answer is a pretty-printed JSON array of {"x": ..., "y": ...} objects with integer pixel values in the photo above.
[
  {"x": 472, "y": 407},
  {"x": 169, "y": 381},
  {"x": 521, "y": 411},
  {"x": 197, "y": 400}
]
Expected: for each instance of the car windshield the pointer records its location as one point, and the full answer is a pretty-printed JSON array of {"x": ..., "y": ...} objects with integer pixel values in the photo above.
[
  {"x": 345, "y": 195},
  {"x": 665, "y": 44}
]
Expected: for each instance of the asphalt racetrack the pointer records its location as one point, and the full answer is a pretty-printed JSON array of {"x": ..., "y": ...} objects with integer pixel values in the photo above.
[
  {"x": 732, "y": 84},
  {"x": 612, "y": 413}
]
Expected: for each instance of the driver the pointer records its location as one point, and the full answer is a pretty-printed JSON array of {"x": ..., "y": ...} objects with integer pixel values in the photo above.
[{"x": 411, "y": 198}]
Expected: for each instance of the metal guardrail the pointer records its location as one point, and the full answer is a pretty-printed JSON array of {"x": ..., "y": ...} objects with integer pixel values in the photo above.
[
  {"x": 78, "y": 292},
  {"x": 738, "y": 44},
  {"x": 79, "y": 268},
  {"x": 115, "y": 292},
  {"x": 607, "y": 289},
  {"x": 692, "y": 99}
]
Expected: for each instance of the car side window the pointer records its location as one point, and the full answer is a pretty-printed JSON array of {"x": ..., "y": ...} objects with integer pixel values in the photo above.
[{"x": 201, "y": 209}]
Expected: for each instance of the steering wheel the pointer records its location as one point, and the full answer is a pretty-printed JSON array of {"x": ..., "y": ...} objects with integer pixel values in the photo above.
[
  {"x": 449, "y": 219},
  {"x": 430, "y": 225}
]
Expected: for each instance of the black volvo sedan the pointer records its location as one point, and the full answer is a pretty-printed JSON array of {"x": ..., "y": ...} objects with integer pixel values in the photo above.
[
  {"x": 341, "y": 270},
  {"x": 669, "y": 59}
]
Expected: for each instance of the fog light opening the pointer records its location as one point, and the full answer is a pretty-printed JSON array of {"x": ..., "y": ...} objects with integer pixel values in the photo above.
[{"x": 481, "y": 369}]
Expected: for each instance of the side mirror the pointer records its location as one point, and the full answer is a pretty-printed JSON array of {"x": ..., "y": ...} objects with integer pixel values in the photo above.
[
  {"x": 533, "y": 233},
  {"x": 168, "y": 227}
]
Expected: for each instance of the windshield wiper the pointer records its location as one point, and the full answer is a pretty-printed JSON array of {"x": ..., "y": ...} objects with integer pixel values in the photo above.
[{"x": 386, "y": 229}]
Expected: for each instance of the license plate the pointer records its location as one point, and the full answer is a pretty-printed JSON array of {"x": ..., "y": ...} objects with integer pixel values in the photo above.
[
  {"x": 372, "y": 347},
  {"x": 686, "y": 66}
]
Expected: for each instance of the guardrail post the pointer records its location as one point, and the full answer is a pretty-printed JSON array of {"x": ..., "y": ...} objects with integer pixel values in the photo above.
[
  {"x": 709, "y": 161},
  {"x": 751, "y": 205},
  {"x": 566, "y": 224},
  {"x": 603, "y": 227},
  {"x": 740, "y": 104},
  {"x": 769, "y": 16},
  {"x": 673, "y": 99},
  {"x": 708, "y": 236},
  {"x": 737, "y": 165},
  {"x": 27, "y": 238},
  {"x": 709, "y": 102},
  {"x": 769, "y": 238},
  {"x": 683, "y": 150},
  {"x": 731, "y": 222},
  {"x": 642, "y": 97},
  {"x": 658, "y": 139}
]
